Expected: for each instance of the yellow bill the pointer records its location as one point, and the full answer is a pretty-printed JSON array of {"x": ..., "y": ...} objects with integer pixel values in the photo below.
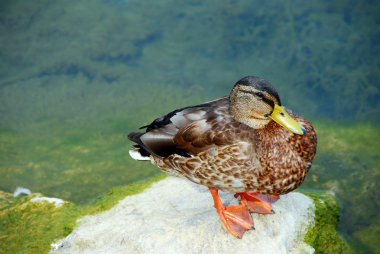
[{"x": 281, "y": 117}]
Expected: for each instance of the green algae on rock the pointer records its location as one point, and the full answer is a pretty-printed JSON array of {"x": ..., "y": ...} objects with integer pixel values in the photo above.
[
  {"x": 323, "y": 236},
  {"x": 27, "y": 226},
  {"x": 30, "y": 227}
]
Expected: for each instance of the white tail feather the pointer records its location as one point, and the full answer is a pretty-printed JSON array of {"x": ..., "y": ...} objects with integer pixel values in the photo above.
[{"x": 137, "y": 156}]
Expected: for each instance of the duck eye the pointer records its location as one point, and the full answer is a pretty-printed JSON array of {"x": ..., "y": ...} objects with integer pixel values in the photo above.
[{"x": 260, "y": 94}]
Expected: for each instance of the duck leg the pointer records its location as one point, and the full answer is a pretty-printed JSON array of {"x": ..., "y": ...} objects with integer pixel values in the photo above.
[
  {"x": 236, "y": 219},
  {"x": 257, "y": 203}
]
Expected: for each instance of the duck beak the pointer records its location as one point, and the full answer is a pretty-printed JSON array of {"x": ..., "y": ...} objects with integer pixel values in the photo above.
[{"x": 280, "y": 116}]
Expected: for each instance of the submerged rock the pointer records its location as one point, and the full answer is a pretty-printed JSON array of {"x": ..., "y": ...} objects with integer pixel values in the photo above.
[{"x": 176, "y": 216}]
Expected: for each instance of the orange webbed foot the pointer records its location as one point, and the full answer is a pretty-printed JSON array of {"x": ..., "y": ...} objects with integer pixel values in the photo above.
[
  {"x": 257, "y": 203},
  {"x": 236, "y": 219}
]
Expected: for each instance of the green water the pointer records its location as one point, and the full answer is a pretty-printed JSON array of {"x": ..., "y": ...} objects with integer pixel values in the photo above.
[{"x": 77, "y": 76}]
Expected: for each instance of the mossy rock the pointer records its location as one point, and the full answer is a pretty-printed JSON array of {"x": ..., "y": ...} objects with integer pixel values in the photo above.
[
  {"x": 31, "y": 227},
  {"x": 323, "y": 237}
]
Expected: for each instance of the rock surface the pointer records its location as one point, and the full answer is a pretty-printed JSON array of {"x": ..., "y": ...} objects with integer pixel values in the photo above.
[
  {"x": 176, "y": 216},
  {"x": 21, "y": 191},
  {"x": 56, "y": 201}
]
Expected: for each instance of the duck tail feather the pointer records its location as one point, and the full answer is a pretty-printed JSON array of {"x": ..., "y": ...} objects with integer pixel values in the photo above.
[{"x": 139, "y": 154}]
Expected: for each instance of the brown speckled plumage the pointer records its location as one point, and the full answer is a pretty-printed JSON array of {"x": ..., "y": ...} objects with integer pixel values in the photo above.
[{"x": 208, "y": 146}]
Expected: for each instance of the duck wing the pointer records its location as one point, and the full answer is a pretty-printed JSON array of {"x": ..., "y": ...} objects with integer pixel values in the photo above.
[{"x": 186, "y": 131}]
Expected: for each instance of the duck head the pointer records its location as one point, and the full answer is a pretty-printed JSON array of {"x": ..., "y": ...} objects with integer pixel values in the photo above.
[{"x": 255, "y": 102}]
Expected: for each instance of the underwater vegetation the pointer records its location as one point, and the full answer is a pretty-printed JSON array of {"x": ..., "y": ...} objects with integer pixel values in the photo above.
[
  {"x": 321, "y": 50},
  {"x": 77, "y": 154},
  {"x": 77, "y": 76},
  {"x": 348, "y": 164}
]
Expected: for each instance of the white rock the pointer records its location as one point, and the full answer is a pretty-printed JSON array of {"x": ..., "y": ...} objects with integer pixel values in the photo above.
[
  {"x": 176, "y": 216},
  {"x": 21, "y": 191},
  {"x": 56, "y": 201}
]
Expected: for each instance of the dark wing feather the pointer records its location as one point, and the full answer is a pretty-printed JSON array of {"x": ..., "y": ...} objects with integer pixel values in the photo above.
[
  {"x": 185, "y": 131},
  {"x": 165, "y": 120}
]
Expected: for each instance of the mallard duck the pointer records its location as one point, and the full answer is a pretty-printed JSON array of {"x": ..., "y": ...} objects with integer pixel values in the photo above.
[{"x": 246, "y": 143}]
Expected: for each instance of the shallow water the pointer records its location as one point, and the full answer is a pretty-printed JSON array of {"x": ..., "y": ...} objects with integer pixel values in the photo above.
[{"x": 76, "y": 77}]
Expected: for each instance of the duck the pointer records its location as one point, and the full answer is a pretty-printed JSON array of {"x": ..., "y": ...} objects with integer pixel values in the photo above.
[{"x": 246, "y": 143}]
